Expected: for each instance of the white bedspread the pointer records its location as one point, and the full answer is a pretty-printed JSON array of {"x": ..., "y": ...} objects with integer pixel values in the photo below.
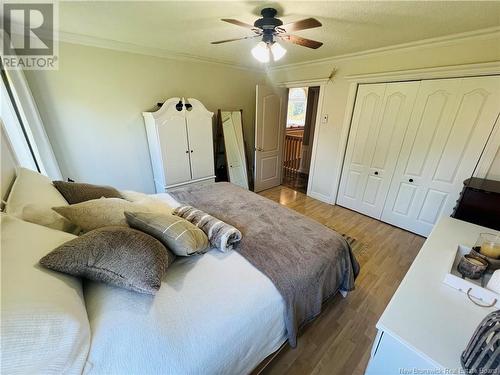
[{"x": 214, "y": 314}]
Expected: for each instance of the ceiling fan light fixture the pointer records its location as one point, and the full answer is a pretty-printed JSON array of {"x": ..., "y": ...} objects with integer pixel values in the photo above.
[
  {"x": 261, "y": 52},
  {"x": 277, "y": 51}
]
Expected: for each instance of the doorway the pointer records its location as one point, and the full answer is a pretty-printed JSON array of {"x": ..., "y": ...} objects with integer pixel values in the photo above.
[{"x": 299, "y": 134}]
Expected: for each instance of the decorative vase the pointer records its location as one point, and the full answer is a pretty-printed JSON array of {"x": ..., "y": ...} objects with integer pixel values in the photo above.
[{"x": 482, "y": 354}]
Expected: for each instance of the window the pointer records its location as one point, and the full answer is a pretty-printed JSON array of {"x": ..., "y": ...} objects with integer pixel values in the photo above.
[
  {"x": 23, "y": 126},
  {"x": 297, "y": 104}
]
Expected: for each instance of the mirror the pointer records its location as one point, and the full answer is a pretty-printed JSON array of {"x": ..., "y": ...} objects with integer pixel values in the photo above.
[{"x": 232, "y": 129}]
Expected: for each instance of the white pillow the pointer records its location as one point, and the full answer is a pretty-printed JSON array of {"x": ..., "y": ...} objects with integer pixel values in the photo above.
[
  {"x": 44, "y": 325},
  {"x": 154, "y": 199},
  {"x": 32, "y": 198}
]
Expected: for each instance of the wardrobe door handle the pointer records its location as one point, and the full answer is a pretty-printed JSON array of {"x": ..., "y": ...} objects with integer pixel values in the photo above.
[
  {"x": 191, "y": 151},
  {"x": 375, "y": 173},
  {"x": 187, "y": 151},
  {"x": 410, "y": 180}
]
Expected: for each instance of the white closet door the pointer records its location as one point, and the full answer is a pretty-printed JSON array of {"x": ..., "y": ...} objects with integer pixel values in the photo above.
[
  {"x": 380, "y": 119},
  {"x": 199, "y": 128},
  {"x": 174, "y": 149},
  {"x": 233, "y": 140},
  {"x": 448, "y": 130}
]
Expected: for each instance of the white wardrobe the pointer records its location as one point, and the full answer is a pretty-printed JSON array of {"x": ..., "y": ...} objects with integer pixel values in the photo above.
[
  {"x": 412, "y": 144},
  {"x": 180, "y": 142}
]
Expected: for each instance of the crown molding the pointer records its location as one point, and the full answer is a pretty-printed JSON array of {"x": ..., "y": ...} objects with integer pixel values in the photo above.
[
  {"x": 420, "y": 44},
  {"x": 115, "y": 45},
  {"x": 450, "y": 71}
]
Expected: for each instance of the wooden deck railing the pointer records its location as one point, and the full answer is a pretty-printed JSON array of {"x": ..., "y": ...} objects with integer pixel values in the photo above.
[{"x": 292, "y": 153}]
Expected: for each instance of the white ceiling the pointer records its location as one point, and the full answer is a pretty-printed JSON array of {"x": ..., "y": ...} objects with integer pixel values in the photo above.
[{"x": 188, "y": 27}]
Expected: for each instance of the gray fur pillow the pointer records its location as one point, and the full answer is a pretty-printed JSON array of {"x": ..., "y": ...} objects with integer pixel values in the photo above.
[
  {"x": 119, "y": 256},
  {"x": 75, "y": 192}
]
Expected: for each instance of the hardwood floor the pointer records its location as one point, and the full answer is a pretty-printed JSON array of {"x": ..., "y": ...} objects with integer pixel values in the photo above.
[
  {"x": 339, "y": 341},
  {"x": 295, "y": 180}
]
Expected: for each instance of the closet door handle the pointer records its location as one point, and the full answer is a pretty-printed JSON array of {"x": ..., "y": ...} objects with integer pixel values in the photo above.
[
  {"x": 375, "y": 173},
  {"x": 410, "y": 180},
  {"x": 187, "y": 151},
  {"x": 191, "y": 151}
]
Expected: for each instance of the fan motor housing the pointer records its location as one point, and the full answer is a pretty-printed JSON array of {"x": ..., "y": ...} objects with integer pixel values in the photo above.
[{"x": 268, "y": 20}]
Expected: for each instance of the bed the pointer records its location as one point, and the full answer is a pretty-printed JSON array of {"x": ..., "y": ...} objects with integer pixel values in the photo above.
[{"x": 216, "y": 313}]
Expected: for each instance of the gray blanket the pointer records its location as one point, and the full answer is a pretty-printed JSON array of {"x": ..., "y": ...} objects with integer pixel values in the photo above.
[{"x": 306, "y": 261}]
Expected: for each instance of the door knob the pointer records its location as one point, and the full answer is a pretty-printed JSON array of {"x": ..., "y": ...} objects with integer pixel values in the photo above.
[
  {"x": 259, "y": 149},
  {"x": 376, "y": 173},
  {"x": 410, "y": 180}
]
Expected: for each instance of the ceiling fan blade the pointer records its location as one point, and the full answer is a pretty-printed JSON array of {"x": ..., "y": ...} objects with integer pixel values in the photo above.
[
  {"x": 308, "y": 23},
  {"x": 309, "y": 43},
  {"x": 238, "y": 23},
  {"x": 232, "y": 40}
]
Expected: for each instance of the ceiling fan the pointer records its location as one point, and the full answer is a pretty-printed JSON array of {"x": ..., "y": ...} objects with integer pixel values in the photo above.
[{"x": 272, "y": 29}]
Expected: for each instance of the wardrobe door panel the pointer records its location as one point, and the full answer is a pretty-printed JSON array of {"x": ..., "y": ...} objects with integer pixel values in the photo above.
[
  {"x": 174, "y": 149},
  {"x": 374, "y": 145},
  {"x": 449, "y": 128},
  {"x": 200, "y": 136}
]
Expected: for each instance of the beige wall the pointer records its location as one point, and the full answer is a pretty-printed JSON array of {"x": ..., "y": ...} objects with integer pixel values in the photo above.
[
  {"x": 476, "y": 50},
  {"x": 92, "y": 105}
]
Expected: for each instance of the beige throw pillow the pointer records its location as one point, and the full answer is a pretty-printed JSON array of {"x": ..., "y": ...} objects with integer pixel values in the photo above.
[
  {"x": 177, "y": 234},
  {"x": 98, "y": 213}
]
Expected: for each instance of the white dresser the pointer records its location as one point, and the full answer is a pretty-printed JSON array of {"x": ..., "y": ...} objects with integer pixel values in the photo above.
[
  {"x": 180, "y": 139},
  {"x": 428, "y": 324}
]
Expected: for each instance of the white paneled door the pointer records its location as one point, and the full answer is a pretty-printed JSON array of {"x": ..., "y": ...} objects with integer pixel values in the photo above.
[
  {"x": 379, "y": 122},
  {"x": 199, "y": 130},
  {"x": 448, "y": 130},
  {"x": 269, "y": 127},
  {"x": 175, "y": 147}
]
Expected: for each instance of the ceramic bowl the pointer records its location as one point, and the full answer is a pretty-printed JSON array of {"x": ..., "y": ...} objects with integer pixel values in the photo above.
[
  {"x": 472, "y": 267},
  {"x": 494, "y": 264}
]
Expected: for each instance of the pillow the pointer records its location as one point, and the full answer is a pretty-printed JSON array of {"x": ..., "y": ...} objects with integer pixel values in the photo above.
[
  {"x": 221, "y": 235},
  {"x": 75, "y": 192},
  {"x": 133, "y": 196},
  {"x": 177, "y": 234},
  {"x": 98, "y": 213},
  {"x": 44, "y": 325},
  {"x": 156, "y": 199},
  {"x": 42, "y": 215},
  {"x": 32, "y": 198},
  {"x": 118, "y": 256}
]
